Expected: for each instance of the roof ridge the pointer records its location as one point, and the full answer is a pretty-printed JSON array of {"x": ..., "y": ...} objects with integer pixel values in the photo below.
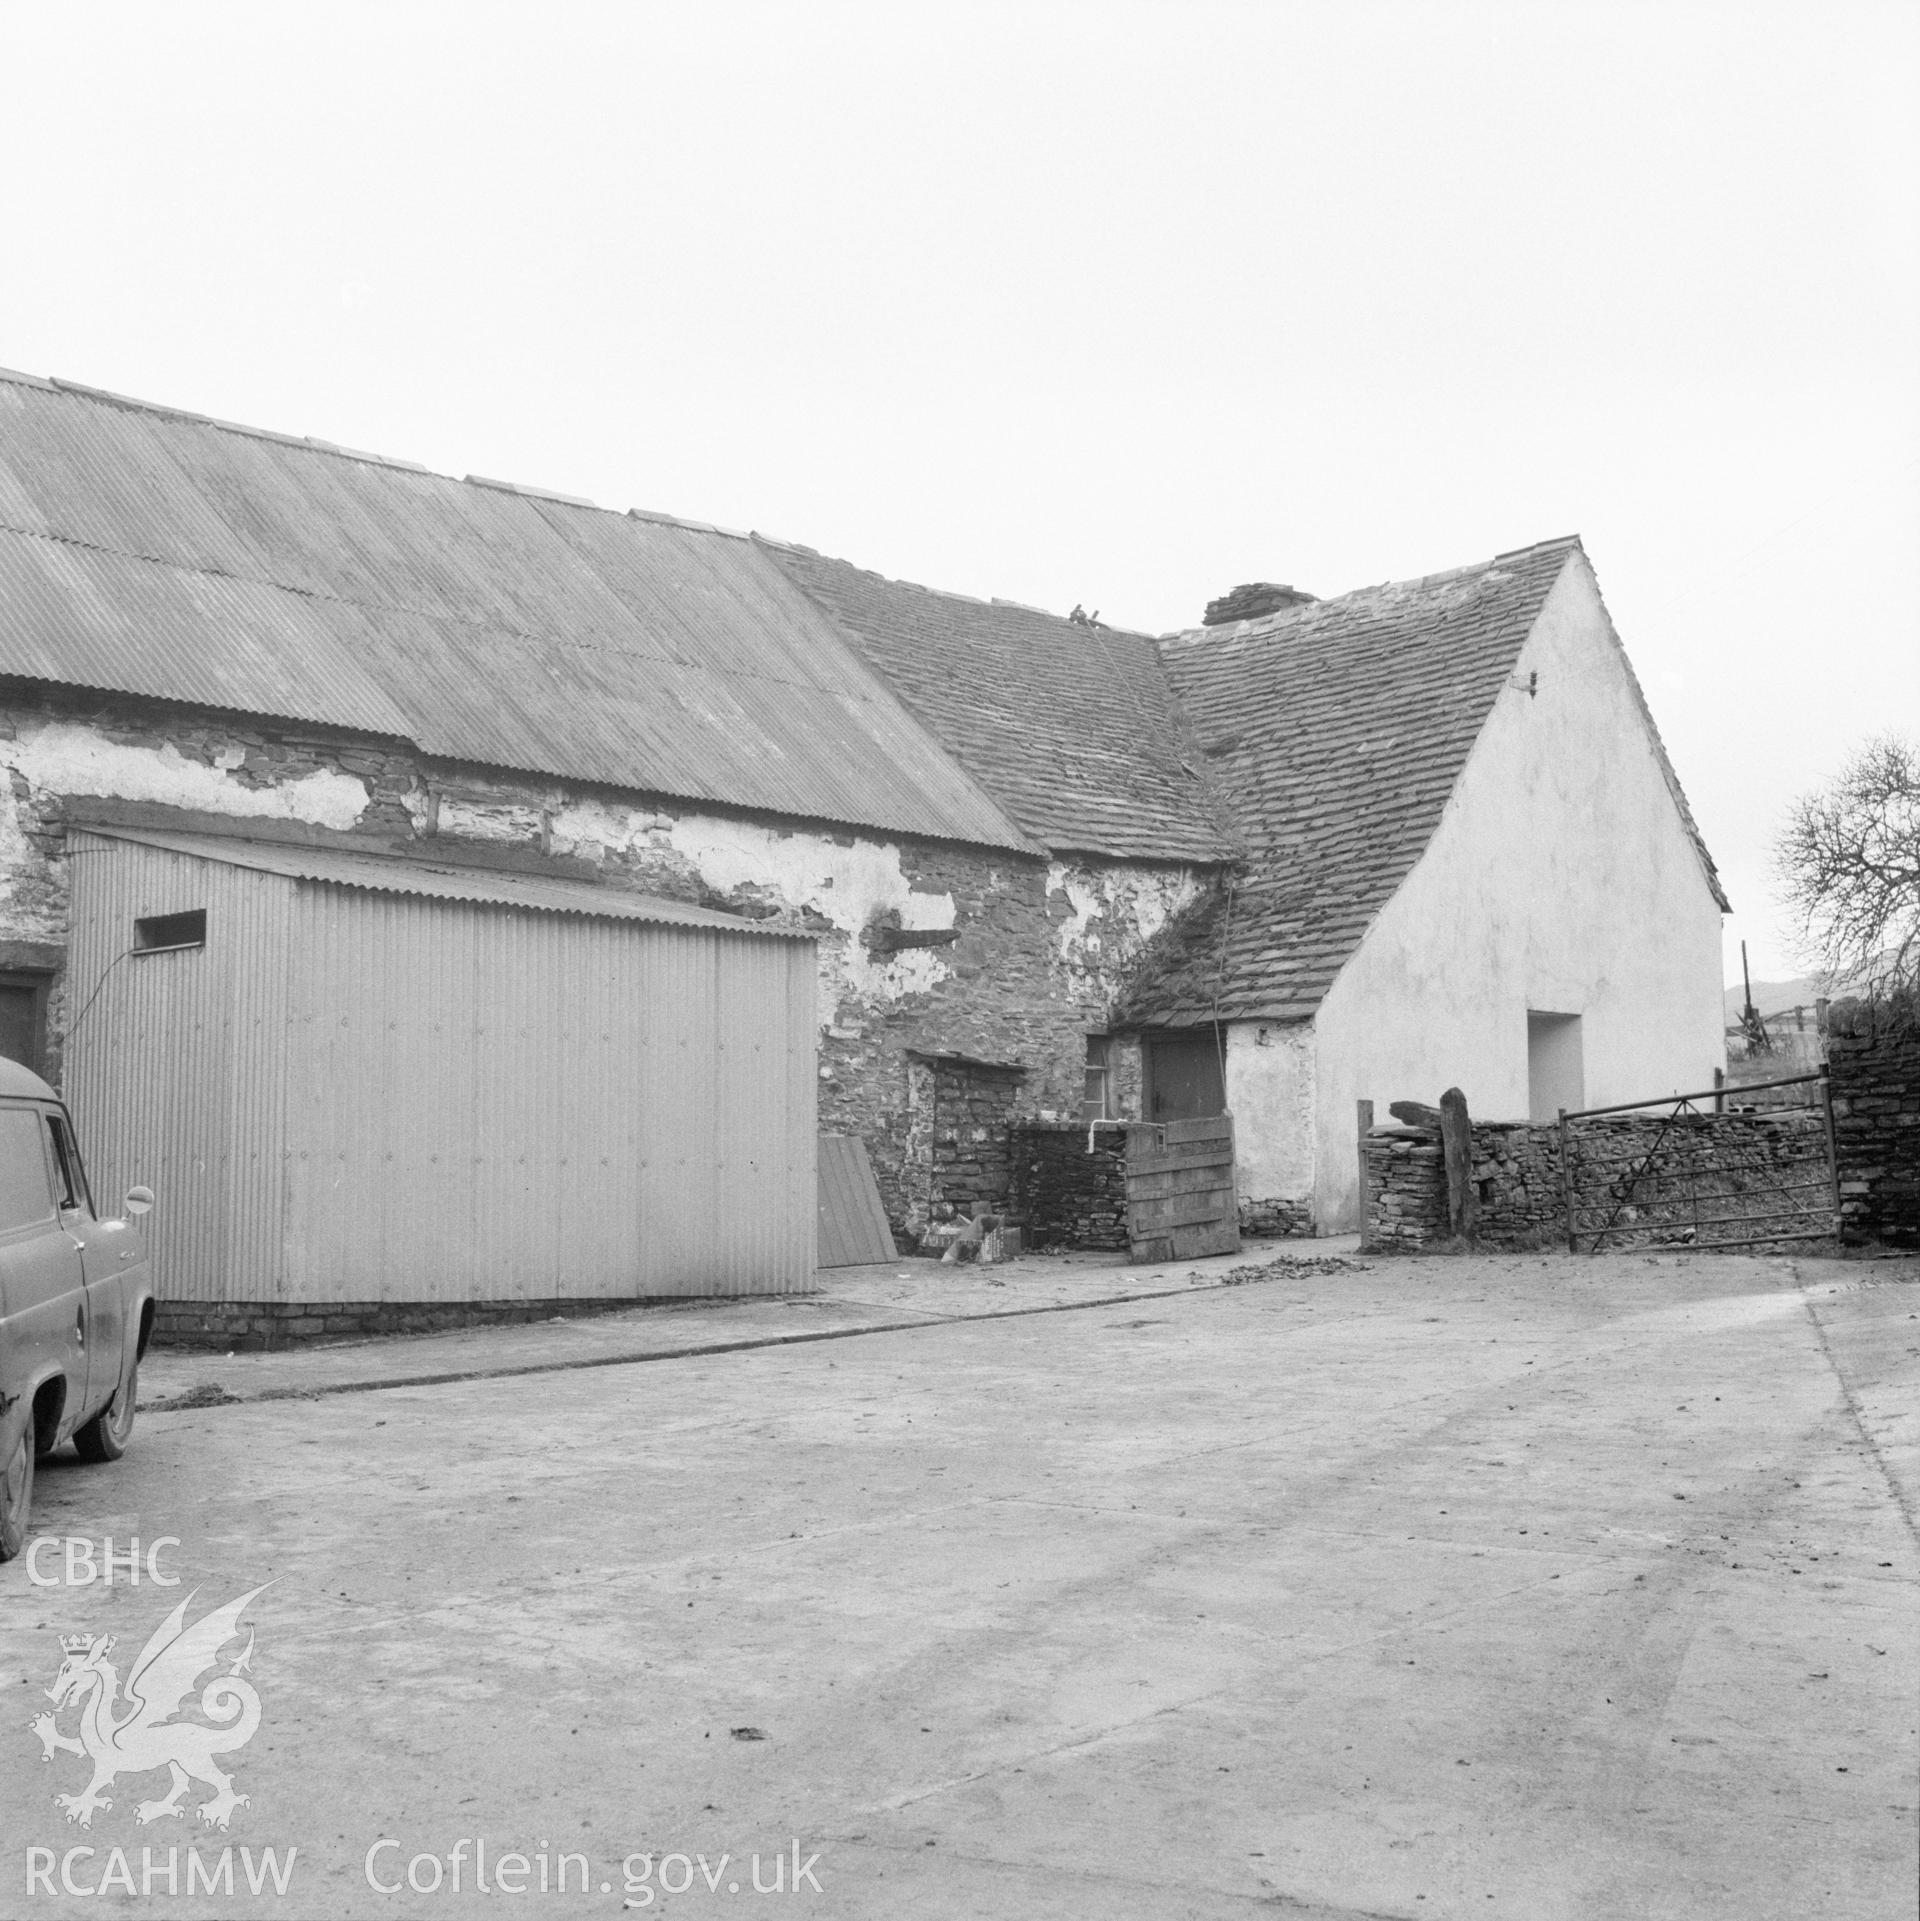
[
  {"x": 129, "y": 404},
  {"x": 674, "y": 520},
  {"x": 1266, "y": 623},
  {"x": 532, "y": 492},
  {"x": 942, "y": 593},
  {"x": 313, "y": 443},
  {"x": 1539, "y": 546}
]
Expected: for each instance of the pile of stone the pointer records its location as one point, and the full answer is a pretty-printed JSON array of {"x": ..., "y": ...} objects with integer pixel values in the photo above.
[
  {"x": 1406, "y": 1199},
  {"x": 1252, "y": 600}
]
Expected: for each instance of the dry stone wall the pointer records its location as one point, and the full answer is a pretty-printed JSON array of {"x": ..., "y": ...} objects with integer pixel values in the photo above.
[
  {"x": 1874, "y": 1057},
  {"x": 1070, "y": 1185},
  {"x": 1405, "y": 1181},
  {"x": 1265, "y": 1220},
  {"x": 965, "y": 1109},
  {"x": 1706, "y": 1166}
]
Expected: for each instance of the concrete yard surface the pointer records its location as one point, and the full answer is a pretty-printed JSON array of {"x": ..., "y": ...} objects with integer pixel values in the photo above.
[{"x": 1518, "y": 1586}]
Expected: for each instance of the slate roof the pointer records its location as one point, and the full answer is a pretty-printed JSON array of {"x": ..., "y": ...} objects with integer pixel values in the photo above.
[
  {"x": 1072, "y": 728},
  {"x": 149, "y": 551},
  {"x": 1338, "y": 730}
]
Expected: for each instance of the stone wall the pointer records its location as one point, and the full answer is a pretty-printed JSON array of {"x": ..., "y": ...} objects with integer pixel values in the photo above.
[
  {"x": 963, "y": 1111},
  {"x": 1405, "y": 1180},
  {"x": 1707, "y": 1168},
  {"x": 1018, "y": 959},
  {"x": 1275, "y": 1219},
  {"x": 1874, "y": 1058},
  {"x": 251, "y": 1326},
  {"x": 1065, "y": 1195}
]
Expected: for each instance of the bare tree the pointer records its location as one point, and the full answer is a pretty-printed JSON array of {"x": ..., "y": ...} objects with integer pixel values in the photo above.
[{"x": 1849, "y": 863}]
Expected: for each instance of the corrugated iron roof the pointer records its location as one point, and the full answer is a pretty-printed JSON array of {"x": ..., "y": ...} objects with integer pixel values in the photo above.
[
  {"x": 400, "y": 874},
  {"x": 154, "y": 552}
]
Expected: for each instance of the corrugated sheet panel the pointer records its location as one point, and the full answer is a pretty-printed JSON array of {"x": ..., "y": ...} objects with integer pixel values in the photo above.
[
  {"x": 159, "y": 554},
  {"x": 90, "y": 618},
  {"x": 356, "y": 1094},
  {"x": 176, "y": 1069},
  {"x": 394, "y": 875},
  {"x": 853, "y": 1219},
  {"x": 543, "y": 1108}
]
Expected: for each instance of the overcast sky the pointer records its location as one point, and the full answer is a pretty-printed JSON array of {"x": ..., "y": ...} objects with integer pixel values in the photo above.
[{"x": 1119, "y": 304}]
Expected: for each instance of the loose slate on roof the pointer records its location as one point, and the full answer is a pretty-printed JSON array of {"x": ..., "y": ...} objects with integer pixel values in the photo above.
[
  {"x": 149, "y": 552},
  {"x": 1072, "y": 727},
  {"x": 1338, "y": 729}
]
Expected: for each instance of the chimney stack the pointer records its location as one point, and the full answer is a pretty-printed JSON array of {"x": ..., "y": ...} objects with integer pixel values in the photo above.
[{"x": 1252, "y": 601}]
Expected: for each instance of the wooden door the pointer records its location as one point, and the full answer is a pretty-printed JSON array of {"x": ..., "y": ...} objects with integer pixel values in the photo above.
[
  {"x": 1181, "y": 1203},
  {"x": 1183, "y": 1080}
]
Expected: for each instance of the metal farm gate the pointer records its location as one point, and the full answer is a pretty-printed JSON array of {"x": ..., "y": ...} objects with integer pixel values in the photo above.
[{"x": 1688, "y": 1171}]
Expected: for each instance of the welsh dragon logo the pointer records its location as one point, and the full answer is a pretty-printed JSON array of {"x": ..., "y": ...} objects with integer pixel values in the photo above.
[{"x": 136, "y": 1735}]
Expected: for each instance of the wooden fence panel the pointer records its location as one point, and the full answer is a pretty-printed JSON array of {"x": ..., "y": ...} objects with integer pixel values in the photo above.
[{"x": 1181, "y": 1203}]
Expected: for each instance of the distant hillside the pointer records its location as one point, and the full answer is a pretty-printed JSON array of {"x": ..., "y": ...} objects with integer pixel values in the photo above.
[{"x": 1774, "y": 997}]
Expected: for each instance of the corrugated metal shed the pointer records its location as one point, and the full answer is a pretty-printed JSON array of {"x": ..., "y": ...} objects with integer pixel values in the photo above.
[
  {"x": 150, "y": 552},
  {"x": 423, "y": 1086}
]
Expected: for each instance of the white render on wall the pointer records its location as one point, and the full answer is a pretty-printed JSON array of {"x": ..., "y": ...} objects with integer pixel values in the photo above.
[
  {"x": 66, "y": 757},
  {"x": 1561, "y": 878},
  {"x": 848, "y": 883},
  {"x": 1139, "y": 900},
  {"x": 1270, "y": 1094},
  {"x": 841, "y": 883}
]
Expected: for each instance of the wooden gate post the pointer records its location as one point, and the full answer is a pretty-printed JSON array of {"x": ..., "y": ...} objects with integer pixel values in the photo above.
[
  {"x": 1566, "y": 1183},
  {"x": 1456, "y": 1148},
  {"x": 1364, "y": 1115},
  {"x": 1833, "y": 1146}
]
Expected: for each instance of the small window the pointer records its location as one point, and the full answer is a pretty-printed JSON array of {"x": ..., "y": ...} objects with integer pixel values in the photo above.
[
  {"x": 1098, "y": 1102},
  {"x": 168, "y": 933},
  {"x": 26, "y": 1199}
]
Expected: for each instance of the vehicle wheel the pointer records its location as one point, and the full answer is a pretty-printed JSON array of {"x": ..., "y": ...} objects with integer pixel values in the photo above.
[
  {"x": 16, "y": 1494},
  {"x": 105, "y": 1437}
]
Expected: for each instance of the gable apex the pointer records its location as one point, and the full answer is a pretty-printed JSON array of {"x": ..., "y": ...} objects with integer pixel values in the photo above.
[{"x": 1338, "y": 730}]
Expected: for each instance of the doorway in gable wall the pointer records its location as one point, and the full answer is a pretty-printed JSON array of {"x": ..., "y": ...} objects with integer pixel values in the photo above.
[{"x": 1556, "y": 1074}]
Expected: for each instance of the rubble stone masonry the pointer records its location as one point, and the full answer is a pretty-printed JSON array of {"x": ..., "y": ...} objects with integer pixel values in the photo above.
[
  {"x": 1516, "y": 1172},
  {"x": 1874, "y": 1057},
  {"x": 1016, "y": 959},
  {"x": 1067, "y": 1193}
]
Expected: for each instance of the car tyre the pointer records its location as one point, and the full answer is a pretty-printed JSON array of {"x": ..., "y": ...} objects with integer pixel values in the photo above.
[
  {"x": 105, "y": 1437},
  {"x": 16, "y": 1493}
]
